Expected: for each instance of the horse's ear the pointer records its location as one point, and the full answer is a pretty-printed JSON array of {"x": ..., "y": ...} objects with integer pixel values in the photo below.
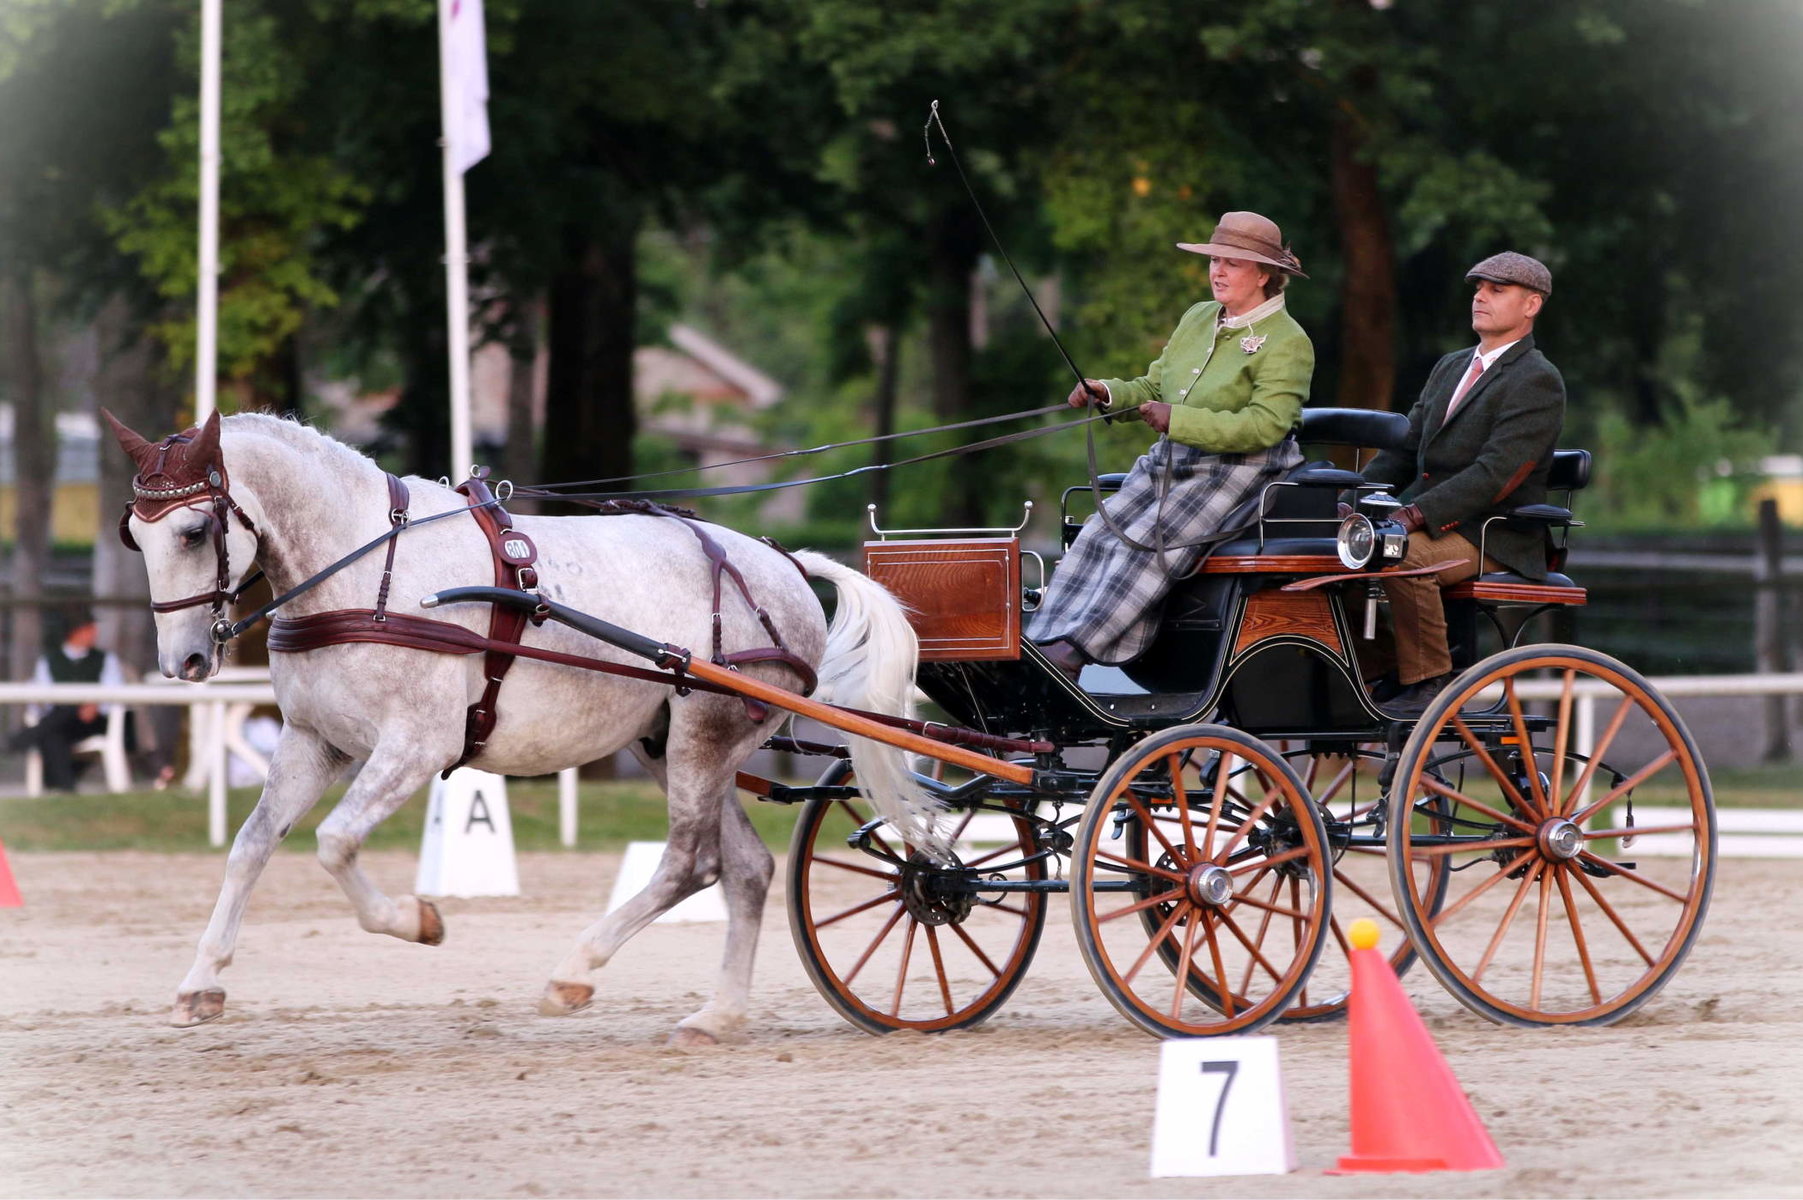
[
  {"x": 137, "y": 447},
  {"x": 205, "y": 448}
]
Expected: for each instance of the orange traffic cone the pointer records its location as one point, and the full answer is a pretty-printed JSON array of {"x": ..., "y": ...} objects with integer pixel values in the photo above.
[
  {"x": 9, "y": 891},
  {"x": 1408, "y": 1112}
]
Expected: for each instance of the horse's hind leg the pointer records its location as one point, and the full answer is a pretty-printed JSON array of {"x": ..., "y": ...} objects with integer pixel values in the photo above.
[
  {"x": 299, "y": 771},
  {"x": 745, "y": 870},
  {"x": 386, "y": 782}
]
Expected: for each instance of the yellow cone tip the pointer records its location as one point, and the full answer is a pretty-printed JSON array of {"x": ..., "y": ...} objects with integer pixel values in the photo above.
[{"x": 1364, "y": 934}]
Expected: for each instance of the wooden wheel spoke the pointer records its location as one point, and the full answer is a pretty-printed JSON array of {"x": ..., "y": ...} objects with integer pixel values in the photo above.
[
  {"x": 1135, "y": 864},
  {"x": 1541, "y": 808},
  {"x": 855, "y": 909},
  {"x": 1346, "y": 882},
  {"x": 1614, "y": 917},
  {"x": 1272, "y": 793},
  {"x": 1181, "y": 984},
  {"x": 1627, "y": 785},
  {"x": 1164, "y": 930},
  {"x": 856, "y": 868},
  {"x": 1217, "y": 802},
  {"x": 1141, "y": 906},
  {"x": 1597, "y": 755},
  {"x": 945, "y": 984},
  {"x": 1278, "y": 909},
  {"x": 1272, "y": 860},
  {"x": 1214, "y": 954},
  {"x": 1477, "y": 747},
  {"x": 1577, "y": 937},
  {"x": 1633, "y": 876},
  {"x": 1252, "y": 950},
  {"x": 882, "y": 933},
  {"x": 977, "y": 950},
  {"x": 1561, "y": 740},
  {"x": 1508, "y": 919},
  {"x": 1007, "y": 908},
  {"x": 1324, "y": 798},
  {"x": 901, "y": 974},
  {"x": 1546, "y": 891},
  {"x": 1152, "y": 827},
  {"x": 1264, "y": 926},
  {"x": 1502, "y": 873},
  {"x": 1451, "y": 793},
  {"x": 1181, "y": 799},
  {"x": 993, "y": 855},
  {"x": 859, "y": 820}
]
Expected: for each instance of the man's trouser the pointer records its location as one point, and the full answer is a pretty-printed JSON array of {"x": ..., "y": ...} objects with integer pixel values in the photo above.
[{"x": 1415, "y": 608}]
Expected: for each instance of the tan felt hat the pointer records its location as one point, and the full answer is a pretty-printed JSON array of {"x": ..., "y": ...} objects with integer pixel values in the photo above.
[
  {"x": 1249, "y": 236},
  {"x": 1510, "y": 267}
]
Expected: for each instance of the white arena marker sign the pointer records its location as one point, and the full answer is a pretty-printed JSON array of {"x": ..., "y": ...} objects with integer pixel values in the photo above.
[
  {"x": 1221, "y": 1109},
  {"x": 636, "y": 869},
  {"x": 468, "y": 846}
]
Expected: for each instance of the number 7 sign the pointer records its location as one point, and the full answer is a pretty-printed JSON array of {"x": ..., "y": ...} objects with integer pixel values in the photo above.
[{"x": 1221, "y": 1109}]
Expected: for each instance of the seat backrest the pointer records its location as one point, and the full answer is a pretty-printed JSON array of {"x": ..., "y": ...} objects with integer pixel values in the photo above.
[
  {"x": 1366, "y": 427},
  {"x": 1570, "y": 471}
]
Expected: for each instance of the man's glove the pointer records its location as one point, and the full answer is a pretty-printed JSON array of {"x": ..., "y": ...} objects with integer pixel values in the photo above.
[{"x": 1411, "y": 518}]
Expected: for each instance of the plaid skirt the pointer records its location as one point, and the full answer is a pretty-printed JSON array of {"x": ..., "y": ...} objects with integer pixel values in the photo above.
[{"x": 1106, "y": 596}]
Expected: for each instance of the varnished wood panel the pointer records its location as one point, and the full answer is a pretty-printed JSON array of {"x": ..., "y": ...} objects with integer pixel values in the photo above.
[
  {"x": 1297, "y": 614},
  {"x": 1271, "y": 564},
  {"x": 1518, "y": 593},
  {"x": 963, "y": 594}
]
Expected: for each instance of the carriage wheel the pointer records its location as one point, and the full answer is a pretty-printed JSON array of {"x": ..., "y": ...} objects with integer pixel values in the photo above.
[
  {"x": 1345, "y": 789},
  {"x": 1579, "y": 875},
  {"x": 1208, "y": 829},
  {"x": 894, "y": 947}
]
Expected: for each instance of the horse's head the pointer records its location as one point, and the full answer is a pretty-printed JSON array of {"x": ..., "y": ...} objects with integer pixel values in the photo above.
[{"x": 198, "y": 543}]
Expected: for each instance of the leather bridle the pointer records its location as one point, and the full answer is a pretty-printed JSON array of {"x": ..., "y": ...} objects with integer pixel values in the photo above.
[{"x": 218, "y": 497}]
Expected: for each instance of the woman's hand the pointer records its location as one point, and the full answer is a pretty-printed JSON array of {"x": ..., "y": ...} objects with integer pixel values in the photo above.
[
  {"x": 1088, "y": 392},
  {"x": 1156, "y": 414}
]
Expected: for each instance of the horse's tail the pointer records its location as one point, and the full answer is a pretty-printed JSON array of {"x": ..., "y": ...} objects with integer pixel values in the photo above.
[{"x": 869, "y": 663}]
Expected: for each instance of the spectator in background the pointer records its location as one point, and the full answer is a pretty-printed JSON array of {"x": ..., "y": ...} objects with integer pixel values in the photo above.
[{"x": 78, "y": 659}]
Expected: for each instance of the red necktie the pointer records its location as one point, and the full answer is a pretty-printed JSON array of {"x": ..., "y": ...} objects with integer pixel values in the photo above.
[{"x": 1477, "y": 368}]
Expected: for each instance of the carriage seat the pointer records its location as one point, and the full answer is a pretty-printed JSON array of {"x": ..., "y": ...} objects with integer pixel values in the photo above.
[{"x": 1570, "y": 472}]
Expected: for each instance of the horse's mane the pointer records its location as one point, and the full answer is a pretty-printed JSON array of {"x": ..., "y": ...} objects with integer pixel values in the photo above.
[{"x": 299, "y": 437}]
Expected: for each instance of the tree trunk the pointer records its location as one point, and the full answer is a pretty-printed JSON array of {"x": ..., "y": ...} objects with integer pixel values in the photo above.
[
  {"x": 34, "y": 469},
  {"x": 953, "y": 245},
  {"x": 519, "y": 459},
  {"x": 885, "y": 349},
  {"x": 1368, "y": 293},
  {"x": 589, "y": 415},
  {"x": 130, "y": 380}
]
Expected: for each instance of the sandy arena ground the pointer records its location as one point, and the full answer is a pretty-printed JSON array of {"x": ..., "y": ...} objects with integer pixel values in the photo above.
[{"x": 351, "y": 1064}]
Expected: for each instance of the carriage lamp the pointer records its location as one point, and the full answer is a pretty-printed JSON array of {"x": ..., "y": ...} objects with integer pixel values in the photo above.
[{"x": 1372, "y": 538}]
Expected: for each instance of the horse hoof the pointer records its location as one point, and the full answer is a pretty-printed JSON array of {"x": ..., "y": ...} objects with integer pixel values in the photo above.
[
  {"x": 562, "y": 999},
  {"x": 197, "y": 1008},
  {"x": 431, "y": 925},
  {"x": 689, "y": 1038}
]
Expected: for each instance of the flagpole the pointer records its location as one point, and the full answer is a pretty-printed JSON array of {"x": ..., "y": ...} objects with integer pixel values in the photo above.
[
  {"x": 206, "y": 322},
  {"x": 456, "y": 257}
]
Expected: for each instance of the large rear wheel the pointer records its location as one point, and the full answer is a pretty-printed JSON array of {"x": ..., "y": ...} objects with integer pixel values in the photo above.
[
  {"x": 1579, "y": 840},
  {"x": 894, "y": 940},
  {"x": 1199, "y": 850}
]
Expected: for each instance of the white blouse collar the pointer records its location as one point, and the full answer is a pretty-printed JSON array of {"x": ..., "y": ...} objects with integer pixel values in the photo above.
[{"x": 1254, "y": 315}]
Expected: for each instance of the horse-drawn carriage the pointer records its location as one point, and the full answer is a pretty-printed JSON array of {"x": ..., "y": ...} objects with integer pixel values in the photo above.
[
  {"x": 1227, "y": 803},
  {"x": 1217, "y": 811}
]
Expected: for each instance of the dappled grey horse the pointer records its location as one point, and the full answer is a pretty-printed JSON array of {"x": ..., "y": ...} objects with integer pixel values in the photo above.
[{"x": 253, "y": 489}]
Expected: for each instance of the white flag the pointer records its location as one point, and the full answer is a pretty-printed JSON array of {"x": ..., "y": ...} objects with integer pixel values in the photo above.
[{"x": 466, "y": 61}]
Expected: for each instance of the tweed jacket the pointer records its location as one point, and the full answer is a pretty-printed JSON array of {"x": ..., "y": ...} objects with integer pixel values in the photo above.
[
  {"x": 1491, "y": 456},
  {"x": 1231, "y": 390}
]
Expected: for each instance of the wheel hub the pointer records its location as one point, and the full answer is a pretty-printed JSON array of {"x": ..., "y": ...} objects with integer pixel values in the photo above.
[
  {"x": 931, "y": 893},
  {"x": 1560, "y": 839},
  {"x": 1210, "y": 884}
]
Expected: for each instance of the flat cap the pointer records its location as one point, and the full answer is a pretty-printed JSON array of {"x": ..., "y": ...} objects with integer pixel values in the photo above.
[{"x": 1510, "y": 267}]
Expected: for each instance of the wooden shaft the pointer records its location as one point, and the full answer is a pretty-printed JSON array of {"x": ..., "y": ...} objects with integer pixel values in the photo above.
[{"x": 845, "y": 722}]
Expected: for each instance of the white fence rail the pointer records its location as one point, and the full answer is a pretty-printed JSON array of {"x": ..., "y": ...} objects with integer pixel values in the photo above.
[{"x": 1760, "y": 831}]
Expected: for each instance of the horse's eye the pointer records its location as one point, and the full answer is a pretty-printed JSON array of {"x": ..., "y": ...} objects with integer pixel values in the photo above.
[{"x": 192, "y": 538}]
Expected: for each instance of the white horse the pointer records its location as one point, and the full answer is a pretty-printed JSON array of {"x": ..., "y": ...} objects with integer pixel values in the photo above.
[{"x": 309, "y": 500}]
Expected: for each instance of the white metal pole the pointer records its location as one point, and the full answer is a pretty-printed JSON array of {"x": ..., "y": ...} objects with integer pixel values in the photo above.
[
  {"x": 456, "y": 258},
  {"x": 206, "y": 338},
  {"x": 566, "y": 806},
  {"x": 216, "y": 776}
]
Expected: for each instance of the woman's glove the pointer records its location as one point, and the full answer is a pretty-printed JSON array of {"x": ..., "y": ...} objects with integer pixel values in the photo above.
[
  {"x": 1157, "y": 414},
  {"x": 1088, "y": 392}
]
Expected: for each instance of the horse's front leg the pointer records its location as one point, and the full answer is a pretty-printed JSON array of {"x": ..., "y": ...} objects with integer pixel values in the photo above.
[
  {"x": 299, "y": 771},
  {"x": 745, "y": 870},
  {"x": 399, "y": 767}
]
